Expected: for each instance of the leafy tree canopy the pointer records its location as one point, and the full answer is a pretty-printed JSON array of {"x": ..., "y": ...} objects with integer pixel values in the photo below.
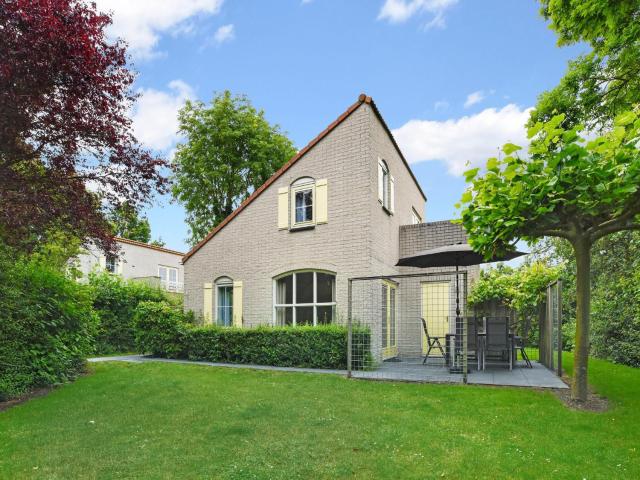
[
  {"x": 580, "y": 190},
  {"x": 521, "y": 288},
  {"x": 65, "y": 97},
  {"x": 602, "y": 83},
  {"x": 126, "y": 223},
  {"x": 230, "y": 150}
]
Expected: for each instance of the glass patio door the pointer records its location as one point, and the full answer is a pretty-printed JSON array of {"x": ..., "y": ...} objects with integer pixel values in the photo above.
[
  {"x": 389, "y": 334},
  {"x": 436, "y": 306}
]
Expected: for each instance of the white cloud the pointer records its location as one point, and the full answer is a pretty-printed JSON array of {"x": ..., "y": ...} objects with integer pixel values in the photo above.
[
  {"x": 398, "y": 11},
  {"x": 441, "y": 105},
  {"x": 225, "y": 33},
  {"x": 155, "y": 115},
  {"x": 471, "y": 138},
  {"x": 473, "y": 98},
  {"x": 141, "y": 22}
]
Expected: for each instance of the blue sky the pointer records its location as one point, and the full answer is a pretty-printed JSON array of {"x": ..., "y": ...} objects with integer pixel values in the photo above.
[{"x": 452, "y": 78}]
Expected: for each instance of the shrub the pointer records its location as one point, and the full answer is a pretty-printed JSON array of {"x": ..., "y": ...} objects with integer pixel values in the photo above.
[
  {"x": 162, "y": 331},
  {"x": 115, "y": 301},
  {"x": 46, "y": 328},
  {"x": 616, "y": 321}
]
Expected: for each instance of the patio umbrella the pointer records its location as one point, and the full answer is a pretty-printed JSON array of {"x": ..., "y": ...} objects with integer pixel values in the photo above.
[{"x": 456, "y": 255}]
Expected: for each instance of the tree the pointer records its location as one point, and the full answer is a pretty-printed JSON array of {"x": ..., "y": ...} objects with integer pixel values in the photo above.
[
  {"x": 65, "y": 94},
  {"x": 568, "y": 188},
  {"x": 615, "y": 294},
  {"x": 230, "y": 150},
  {"x": 605, "y": 81},
  {"x": 126, "y": 223}
]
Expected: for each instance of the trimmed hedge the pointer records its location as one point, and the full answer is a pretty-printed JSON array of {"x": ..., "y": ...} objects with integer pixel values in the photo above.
[
  {"x": 46, "y": 327},
  {"x": 162, "y": 331},
  {"x": 115, "y": 301}
]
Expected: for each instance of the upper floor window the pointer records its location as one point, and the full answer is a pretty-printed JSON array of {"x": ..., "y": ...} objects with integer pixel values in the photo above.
[
  {"x": 386, "y": 190},
  {"x": 415, "y": 217},
  {"x": 111, "y": 264},
  {"x": 305, "y": 298},
  {"x": 168, "y": 277},
  {"x": 303, "y": 204}
]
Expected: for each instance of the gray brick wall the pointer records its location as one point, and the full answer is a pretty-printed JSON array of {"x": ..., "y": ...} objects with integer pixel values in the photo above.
[
  {"x": 423, "y": 236},
  {"x": 358, "y": 240}
]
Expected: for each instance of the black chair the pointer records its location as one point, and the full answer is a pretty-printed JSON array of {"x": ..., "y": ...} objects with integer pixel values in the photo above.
[
  {"x": 473, "y": 341},
  {"x": 432, "y": 342},
  {"x": 518, "y": 344},
  {"x": 497, "y": 339}
]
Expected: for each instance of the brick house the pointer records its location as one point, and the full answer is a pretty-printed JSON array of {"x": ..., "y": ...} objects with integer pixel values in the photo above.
[{"x": 347, "y": 205}]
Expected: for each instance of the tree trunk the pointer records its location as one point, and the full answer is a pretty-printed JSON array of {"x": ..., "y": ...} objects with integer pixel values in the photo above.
[{"x": 582, "y": 247}]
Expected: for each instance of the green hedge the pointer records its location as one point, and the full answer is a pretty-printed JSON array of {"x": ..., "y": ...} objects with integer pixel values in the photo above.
[
  {"x": 162, "y": 331},
  {"x": 46, "y": 326},
  {"x": 115, "y": 301}
]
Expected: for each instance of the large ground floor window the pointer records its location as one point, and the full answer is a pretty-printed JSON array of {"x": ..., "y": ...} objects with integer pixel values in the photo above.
[{"x": 305, "y": 298}]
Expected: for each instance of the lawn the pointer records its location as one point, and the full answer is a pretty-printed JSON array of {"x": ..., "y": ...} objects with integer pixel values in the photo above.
[{"x": 168, "y": 421}]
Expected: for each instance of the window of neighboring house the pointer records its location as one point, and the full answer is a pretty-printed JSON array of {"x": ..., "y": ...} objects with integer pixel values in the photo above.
[
  {"x": 305, "y": 298},
  {"x": 415, "y": 217},
  {"x": 386, "y": 189},
  {"x": 302, "y": 206},
  {"x": 224, "y": 302},
  {"x": 111, "y": 264},
  {"x": 168, "y": 277}
]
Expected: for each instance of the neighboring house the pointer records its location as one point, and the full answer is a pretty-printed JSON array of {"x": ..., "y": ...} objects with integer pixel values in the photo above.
[
  {"x": 347, "y": 205},
  {"x": 138, "y": 261}
]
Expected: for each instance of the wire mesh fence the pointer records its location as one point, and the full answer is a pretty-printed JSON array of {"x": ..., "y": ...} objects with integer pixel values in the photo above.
[{"x": 409, "y": 327}]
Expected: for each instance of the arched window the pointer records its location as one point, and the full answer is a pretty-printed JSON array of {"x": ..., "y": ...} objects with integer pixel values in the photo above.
[
  {"x": 224, "y": 301},
  {"x": 385, "y": 186},
  {"x": 302, "y": 199},
  {"x": 305, "y": 297}
]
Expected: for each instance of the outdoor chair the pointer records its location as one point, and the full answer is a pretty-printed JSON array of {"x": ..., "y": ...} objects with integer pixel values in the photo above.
[
  {"x": 473, "y": 340},
  {"x": 497, "y": 339},
  {"x": 432, "y": 342},
  {"x": 518, "y": 345}
]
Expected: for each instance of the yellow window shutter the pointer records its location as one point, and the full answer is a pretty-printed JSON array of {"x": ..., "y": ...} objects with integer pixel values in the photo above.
[
  {"x": 392, "y": 194},
  {"x": 207, "y": 307},
  {"x": 322, "y": 212},
  {"x": 237, "y": 304},
  {"x": 120, "y": 267},
  {"x": 283, "y": 208},
  {"x": 102, "y": 261}
]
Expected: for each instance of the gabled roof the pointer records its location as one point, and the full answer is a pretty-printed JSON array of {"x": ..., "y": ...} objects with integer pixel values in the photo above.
[
  {"x": 146, "y": 245},
  {"x": 362, "y": 98}
]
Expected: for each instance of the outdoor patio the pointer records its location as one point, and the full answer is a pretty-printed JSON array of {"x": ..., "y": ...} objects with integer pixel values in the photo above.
[{"x": 413, "y": 370}]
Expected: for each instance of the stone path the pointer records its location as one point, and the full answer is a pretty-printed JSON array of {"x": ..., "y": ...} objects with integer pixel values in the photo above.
[{"x": 538, "y": 376}]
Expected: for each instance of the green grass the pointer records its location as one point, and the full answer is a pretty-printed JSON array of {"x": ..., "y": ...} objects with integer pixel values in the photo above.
[{"x": 169, "y": 420}]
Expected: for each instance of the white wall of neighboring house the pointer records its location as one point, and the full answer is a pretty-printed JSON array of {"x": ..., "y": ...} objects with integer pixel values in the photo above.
[{"x": 138, "y": 261}]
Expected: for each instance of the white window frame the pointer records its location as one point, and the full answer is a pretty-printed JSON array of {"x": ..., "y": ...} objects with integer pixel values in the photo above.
[
  {"x": 224, "y": 282},
  {"x": 168, "y": 281},
  {"x": 387, "y": 200},
  {"x": 309, "y": 184},
  {"x": 115, "y": 264},
  {"x": 293, "y": 305},
  {"x": 415, "y": 217}
]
